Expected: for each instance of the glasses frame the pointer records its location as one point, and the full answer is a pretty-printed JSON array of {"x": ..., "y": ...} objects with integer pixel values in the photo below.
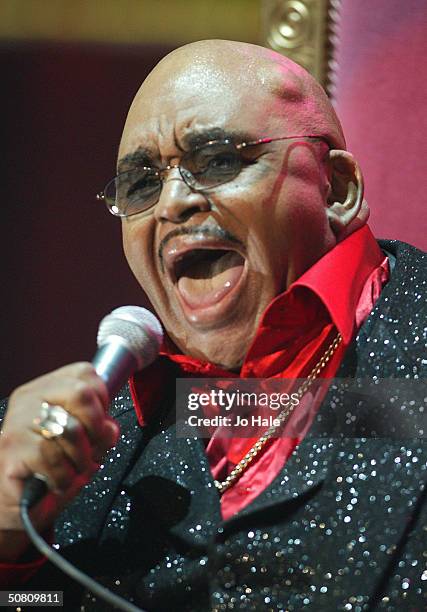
[{"x": 186, "y": 175}]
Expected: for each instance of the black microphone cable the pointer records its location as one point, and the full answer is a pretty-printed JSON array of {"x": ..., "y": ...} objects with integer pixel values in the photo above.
[{"x": 28, "y": 499}]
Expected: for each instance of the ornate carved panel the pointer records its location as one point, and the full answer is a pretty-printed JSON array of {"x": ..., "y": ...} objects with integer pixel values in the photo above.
[{"x": 304, "y": 31}]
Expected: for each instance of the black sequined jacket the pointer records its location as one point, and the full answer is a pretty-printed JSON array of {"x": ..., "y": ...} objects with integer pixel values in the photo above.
[{"x": 342, "y": 527}]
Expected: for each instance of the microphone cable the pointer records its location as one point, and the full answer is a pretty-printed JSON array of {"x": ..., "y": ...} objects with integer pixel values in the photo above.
[{"x": 70, "y": 569}]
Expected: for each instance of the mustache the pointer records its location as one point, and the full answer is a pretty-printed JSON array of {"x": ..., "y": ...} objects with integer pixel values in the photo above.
[{"x": 210, "y": 232}]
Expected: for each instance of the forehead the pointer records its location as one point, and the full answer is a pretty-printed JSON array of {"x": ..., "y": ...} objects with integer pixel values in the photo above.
[{"x": 170, "y": 108}]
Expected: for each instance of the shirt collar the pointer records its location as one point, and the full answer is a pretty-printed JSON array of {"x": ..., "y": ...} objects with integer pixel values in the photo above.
[{"x": 337, "y": 279}]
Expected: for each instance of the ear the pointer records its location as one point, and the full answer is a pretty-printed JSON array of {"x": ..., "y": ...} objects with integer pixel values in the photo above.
[{"x": 347, "y": 210}]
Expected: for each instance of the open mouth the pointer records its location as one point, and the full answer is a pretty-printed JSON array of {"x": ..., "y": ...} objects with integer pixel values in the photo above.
[{"x": 204, "y": 276}]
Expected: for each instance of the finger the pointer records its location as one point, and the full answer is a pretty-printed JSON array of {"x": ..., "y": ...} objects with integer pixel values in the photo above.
[
  {"x": 83, "y": 399},
  {"x": 110, "y": 437},
  {"x": 83, "y": 446},
  {"x": 26, "y": 453},
  {"x": 76, "y": 446},
  {"x": 80, "y": 400},
  {"x": 56, "y": 467},
  {"x": 86, "y": 371}
]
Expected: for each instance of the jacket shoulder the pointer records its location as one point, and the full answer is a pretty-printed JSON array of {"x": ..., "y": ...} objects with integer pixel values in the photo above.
[{"x": 394, "y": 337}]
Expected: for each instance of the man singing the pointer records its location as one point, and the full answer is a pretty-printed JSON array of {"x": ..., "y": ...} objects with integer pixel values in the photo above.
[{"x": 244, "y": 222}]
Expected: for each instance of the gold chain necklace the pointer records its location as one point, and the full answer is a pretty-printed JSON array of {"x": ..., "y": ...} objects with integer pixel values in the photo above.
[{"x": 237, "y": 472}]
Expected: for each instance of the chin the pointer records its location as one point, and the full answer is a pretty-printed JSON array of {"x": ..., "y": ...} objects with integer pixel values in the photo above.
[{"x": 225, "y": 347}]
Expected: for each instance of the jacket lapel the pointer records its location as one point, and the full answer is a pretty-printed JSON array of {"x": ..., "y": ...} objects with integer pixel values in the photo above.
[{"x": 172, "y": 480}]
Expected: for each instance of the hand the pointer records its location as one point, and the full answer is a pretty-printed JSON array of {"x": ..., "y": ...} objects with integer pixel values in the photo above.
[{"x": 67, "y": 461}]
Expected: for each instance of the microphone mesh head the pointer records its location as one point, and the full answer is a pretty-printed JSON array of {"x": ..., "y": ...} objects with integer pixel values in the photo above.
[{"x": 137, "y": 328}]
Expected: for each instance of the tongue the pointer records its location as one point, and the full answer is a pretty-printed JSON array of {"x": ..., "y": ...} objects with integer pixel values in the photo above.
[{"x": 206, "y": 282}]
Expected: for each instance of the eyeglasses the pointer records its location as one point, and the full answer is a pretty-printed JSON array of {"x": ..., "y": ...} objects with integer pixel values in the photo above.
[{"x": 205, "y": 167}]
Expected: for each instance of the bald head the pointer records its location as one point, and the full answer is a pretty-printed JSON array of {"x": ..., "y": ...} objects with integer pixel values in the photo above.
[{"x": 224, "y": 69}]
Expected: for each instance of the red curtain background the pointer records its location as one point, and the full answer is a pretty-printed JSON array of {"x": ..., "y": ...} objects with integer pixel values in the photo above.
[{"x": 381, "y": 99}]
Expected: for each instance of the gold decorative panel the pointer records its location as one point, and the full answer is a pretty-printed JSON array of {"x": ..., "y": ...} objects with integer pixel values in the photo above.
[{"x": 304, "y": 31}]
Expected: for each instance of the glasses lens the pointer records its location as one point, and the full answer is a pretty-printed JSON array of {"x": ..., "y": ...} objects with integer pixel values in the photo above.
[
  {"x": 211, "y": 165},
  {"x": 132, "y": 192}
]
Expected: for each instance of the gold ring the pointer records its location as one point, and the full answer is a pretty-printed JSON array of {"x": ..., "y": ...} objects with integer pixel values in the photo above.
[{"x": 52, "y": 421}]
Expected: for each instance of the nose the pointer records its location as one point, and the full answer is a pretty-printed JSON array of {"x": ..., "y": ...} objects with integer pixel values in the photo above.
[{"x": 177, "y": 201}]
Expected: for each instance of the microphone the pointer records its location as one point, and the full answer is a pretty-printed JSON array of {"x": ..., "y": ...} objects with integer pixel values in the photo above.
[{"x": 129, "y": 339}]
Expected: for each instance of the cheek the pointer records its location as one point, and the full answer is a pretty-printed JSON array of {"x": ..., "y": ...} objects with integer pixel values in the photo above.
[
  {"x": 138, "y": 247},
  {"x": 131, "y": 251},
  {"x": 138, "y": 238},
  {"x": 298, "y": 200},
  {"x": 300, "y": 221},
  {"x": 302, "y": 230},
  {"x": 295, "y": 225}
]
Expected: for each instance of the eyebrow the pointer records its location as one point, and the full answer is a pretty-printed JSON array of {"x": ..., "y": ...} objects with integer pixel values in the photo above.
[
  {"x": 140, "y": 157},
  {"x": 201, "y": 137},
  {"x": 143, "y": 156}
]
